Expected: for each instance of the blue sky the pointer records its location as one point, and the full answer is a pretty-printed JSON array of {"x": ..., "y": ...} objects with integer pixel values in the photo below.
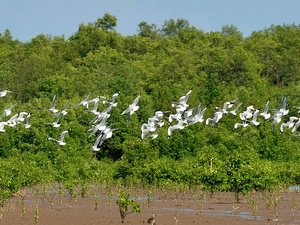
[{"x": 28, "y": 18}]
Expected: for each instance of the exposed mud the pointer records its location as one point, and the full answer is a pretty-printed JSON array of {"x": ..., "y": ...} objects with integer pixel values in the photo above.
[{"x": 51, "y": 207}]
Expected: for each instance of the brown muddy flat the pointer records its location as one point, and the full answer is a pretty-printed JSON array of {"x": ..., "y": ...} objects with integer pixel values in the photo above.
[{"x": 49, "y": 207}]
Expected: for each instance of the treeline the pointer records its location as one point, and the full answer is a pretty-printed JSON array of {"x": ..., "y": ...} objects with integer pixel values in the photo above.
[{"x": 160, "y": 65}]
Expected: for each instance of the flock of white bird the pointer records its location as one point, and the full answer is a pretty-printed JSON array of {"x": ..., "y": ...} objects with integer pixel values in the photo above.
[{"x": 180, "y": 119}]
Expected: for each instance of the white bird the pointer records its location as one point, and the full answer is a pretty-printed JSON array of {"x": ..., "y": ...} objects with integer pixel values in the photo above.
[
  {"x": 84, "y": 102},
  {"x": 177, "y": 116},
  {"x": 157, "y": 119},
  {"x": 198, "y": 116},
  {"x": 95, "y": 147},
  {"x": 27, "y": 119},
  {"x": 266, "y": 113},
  {"x": 254, "y": 118},
  {"x": 132, "y": 107},
  {"x": 56, "y": 122},
  {"x": 64, "y": 111},
  {"x": 103, "y": 114},
  {"x": 187, "y": 115},
  {"x": 106, "y": 133},
  {"x": 53, "y": 109},
  {"x": 147, "y": 128},
  {"x": 182, "y": 103},
  {"x": 7, "y": 111},
  {"x": 16, "y": 119},
  {"x": 3, "y": 93},
  {"x": 97, "y": 99},
  {"x": 95, "y": 109},
  {"x": 248, "y": 113},
  {"x": 227, "y": 105},
  {"x": 244, "y": 124},
  {"x": 113, "y": 100},
  {"x": 276, "y": 119},
  {"x": 61, "y": 140},
  {"x": 283, "y": 106},
  {"x": 217, "y": 116},
  {"x": 21, "y": 116},
  {"x": 12, "y": 122},
  {"x": 177, "y": 126},
  {"x": 2, "y": 124},
  {"x": 288, "y": 124},
  {"x": 153, "y": 136},
  {"x": 99, "y": 127},
  {"x": 233, "y": 112}
]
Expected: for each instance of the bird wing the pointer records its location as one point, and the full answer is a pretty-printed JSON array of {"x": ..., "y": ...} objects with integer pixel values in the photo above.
[{"x": 63, "y": 134}]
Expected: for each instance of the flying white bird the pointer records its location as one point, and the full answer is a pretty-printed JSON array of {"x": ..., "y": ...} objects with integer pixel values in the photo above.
[
  {"x": 95, "y": 147},
  {"x": 27, "y": 119},
  {"x": 289, "y": 124},
  {"x": 113, "y": 100},
  {"x": 56, "y": 122},
  {"x": 182, "y": 103},
  {"x": 283, "y": 106},
  {"x": 244, "y": 124},
  {"x": 12, "y": 122},
  {"x": 132, "y": 107},
  {"x": 8, "y": 111},
  {"x": 146, "y": 129},
  {"x": 3, "y": 93},
  {"x": 233, "y": 112},
  {"x": 99, "y": 127},
  {"x": 64, "y": 111},
  {"x": 2, "y": 124},
  {"x": 227, "y": 105},
  {"x": 84, "y": 102},
  {"x": 61, "y": 140},
  {"x": 276, "y": 119},
  {"x": 177, "y": 126},
  {"x": 217, "y": 116},
  {"x": 53, "y": 109},
  {"x": 254, "y": 118},
  {"x": 106, "y": 133},
  {"x": 105, "y": 113},
  {"x": 248, "y": 113},
  {"x": 266, "y": 113},
  {"x": 198, "y": 116}
]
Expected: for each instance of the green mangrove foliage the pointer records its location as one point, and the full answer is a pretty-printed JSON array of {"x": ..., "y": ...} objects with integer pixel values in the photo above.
[{"x": 160, "y": 65}]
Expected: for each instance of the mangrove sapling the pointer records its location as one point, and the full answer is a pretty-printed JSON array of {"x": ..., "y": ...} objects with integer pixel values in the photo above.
[
  {"x": 60, "y": 193},
  {"x": 72, "y": 191},
  {"x": 109, "y": 198},
  {"x": 202, "y": 198},
  {"x": 254, "y": 207},
  {"x": 85, "y": 190},
  {"x": 96, "y": 201},
  {"x": 50, "y": 200},
  {"x": 124, "y": 202},
  {"x": 272, "y": 202},
  {"x": 36, "y": 211},
  {"x": 22, "y": 206},
  {"x": 21, "y": 194},
  {"x": 276, "y": 206},
  {"x": 293, "y": 208},
  {"x": 149, "y": 197}
]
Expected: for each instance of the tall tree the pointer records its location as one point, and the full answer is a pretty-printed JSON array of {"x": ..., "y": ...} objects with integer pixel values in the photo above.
[{"x": 107, "y": 22}]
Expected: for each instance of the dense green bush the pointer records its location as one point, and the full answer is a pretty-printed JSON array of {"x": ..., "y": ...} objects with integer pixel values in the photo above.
[{"x": 160, "y": 65}]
